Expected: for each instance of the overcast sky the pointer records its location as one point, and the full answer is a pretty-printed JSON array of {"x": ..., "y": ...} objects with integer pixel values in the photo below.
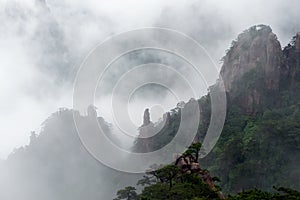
[{"x": 42, "y": 45}]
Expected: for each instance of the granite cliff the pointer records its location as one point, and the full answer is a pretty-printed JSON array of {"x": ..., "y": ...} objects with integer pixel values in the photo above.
[{"x": 256, "y": 70}]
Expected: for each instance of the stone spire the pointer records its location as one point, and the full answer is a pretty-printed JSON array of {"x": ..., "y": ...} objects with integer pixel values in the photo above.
[
  {"x": 146, "y": 117},
  {"x": 91, "y": 110}
]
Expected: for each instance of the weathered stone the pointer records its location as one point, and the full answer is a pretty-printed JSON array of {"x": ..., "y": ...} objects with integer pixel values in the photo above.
[
  {"x": 297, "y": 42},
  {"x": 255, "y": 47},
  {"x": 146, "y": 117}
]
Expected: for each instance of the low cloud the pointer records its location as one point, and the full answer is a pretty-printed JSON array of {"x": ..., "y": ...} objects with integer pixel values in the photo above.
[{"x": 42, "y": 44}]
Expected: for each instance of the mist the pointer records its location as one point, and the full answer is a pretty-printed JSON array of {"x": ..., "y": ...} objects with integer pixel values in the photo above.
[{"x": 43, "y": 43}]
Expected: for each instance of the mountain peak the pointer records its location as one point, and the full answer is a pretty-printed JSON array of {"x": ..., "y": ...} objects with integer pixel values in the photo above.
[{"x": 256, "y": 47}]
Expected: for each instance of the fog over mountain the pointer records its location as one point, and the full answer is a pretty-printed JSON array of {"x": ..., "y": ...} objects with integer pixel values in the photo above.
[{"x": 43, "y": 44}]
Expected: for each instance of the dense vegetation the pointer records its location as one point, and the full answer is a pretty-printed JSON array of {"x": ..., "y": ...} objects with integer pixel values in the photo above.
[
  {"x": 256, "y": 157},
  {"x": 170, "y": 182},
  {"x": 183, "y": 179},
  {"x": 260, "y": 144}
]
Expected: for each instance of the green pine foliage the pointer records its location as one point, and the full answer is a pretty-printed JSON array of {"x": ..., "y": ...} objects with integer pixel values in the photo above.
[
  {"x": 260, "y": 143},
  {"x": 167, "y": 183}
]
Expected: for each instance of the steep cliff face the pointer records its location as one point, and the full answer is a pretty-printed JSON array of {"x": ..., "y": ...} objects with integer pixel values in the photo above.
[
  {"x": 255, "y": 47},
  {"x": 297, "y": 43},
  {"x": 258, "y": 73},
  {"x": 290, "y": 68}
]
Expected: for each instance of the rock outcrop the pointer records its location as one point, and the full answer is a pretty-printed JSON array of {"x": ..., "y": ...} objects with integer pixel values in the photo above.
[
  {"x": 146, "y": 131},
  {"x": 255, "y": 47},
  {"x": 146, "y": 120},
  {"x": 188, "y": 164},
  {"x": 256, "y": 69},
  {"x": 297, "y": 42},
  {"x": 290, "y": 67}
]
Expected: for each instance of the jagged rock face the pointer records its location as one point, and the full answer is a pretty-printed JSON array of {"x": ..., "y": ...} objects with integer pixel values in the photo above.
[
  {"x": 253, "y": 99},
  {"x": 255, "y": 47},
  {"x": 290, "y": 68},
  {"x": 297, "y": 43}
]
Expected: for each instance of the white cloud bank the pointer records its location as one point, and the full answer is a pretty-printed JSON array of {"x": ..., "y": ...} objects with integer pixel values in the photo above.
[{"x": 41, "y": 47}]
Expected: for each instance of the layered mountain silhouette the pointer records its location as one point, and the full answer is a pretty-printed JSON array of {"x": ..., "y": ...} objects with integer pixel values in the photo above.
[
  {"x": 55, "y": 165},
  {"x": 259, "y": 146}
]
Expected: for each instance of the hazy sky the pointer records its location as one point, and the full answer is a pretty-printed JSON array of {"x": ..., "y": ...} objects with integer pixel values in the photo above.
[{"x": 42, "y": 45}]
